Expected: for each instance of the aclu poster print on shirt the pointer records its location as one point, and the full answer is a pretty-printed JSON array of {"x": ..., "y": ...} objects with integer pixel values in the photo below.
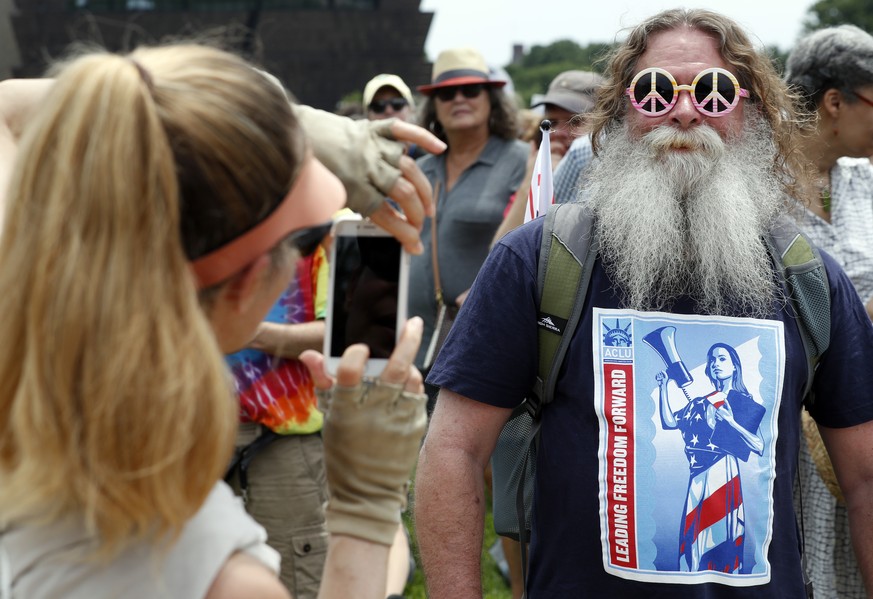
[{"x": 687, "y": 407}]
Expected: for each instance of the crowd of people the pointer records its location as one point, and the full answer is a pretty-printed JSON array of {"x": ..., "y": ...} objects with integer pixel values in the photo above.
[{"x": 170, "y": 429}]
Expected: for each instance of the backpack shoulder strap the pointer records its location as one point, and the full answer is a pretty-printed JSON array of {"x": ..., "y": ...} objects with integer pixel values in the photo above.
[
  {"x": 567, "y": 253},
  {"x": 806, "y": 281},
  {"x": 566, "y": 259}
]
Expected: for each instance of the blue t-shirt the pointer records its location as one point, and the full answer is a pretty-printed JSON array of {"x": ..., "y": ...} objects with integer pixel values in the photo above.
[{"x": 622, "y": 504}]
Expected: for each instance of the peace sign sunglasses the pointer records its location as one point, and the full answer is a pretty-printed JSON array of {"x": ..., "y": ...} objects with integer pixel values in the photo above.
[{"x": 714, "y": 92}]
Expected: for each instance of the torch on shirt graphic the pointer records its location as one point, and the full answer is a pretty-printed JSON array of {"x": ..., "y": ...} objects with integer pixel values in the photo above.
[{"x": 719, "y": 430}]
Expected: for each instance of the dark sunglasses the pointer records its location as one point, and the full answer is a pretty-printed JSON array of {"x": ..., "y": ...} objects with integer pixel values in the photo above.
[
  {"x": 307, "y": 240},
  {"x": 866, "y": 101},
  {"x": 447, "y": 94},
  {"x": 379, "y": 106}
]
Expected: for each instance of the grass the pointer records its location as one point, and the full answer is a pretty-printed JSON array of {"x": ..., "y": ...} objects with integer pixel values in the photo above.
[{"x": 493, "y": 584}]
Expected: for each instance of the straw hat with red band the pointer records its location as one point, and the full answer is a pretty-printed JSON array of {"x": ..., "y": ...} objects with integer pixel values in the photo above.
[
  {"x": 313, "y": 199},
  {"x": 460, "y": 66}
]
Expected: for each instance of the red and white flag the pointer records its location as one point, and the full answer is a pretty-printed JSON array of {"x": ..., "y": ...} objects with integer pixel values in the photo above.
[{"x": 541, "y": 193}]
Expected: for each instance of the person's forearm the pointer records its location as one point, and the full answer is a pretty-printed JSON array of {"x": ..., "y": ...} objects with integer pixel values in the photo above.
[
  {"x": 354, "y": 568},
  {"x": 754, "y": 442},
  {"x": 18, "y": 101},
  {"x": 449, "y": 516},
  {"x": 869, "y": 307},
  {"x": 860, "y": 507},
  {"x": 851, "y": 454},
  {"x": 515, "y": 217},
  {"x": 8, "y": 150},
  {"x": 288, "y": 340},
  {"x": 668, "y": 419}
]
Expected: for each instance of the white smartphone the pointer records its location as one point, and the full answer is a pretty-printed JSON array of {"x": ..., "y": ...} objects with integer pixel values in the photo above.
[{"x": 369, "y": 285}]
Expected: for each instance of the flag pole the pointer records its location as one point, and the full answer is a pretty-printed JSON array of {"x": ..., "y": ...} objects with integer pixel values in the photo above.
[{"x": 541, "y": 195}]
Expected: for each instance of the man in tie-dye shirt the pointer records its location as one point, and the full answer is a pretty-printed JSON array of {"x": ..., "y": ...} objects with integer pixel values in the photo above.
[{"x": 279, "y": 470}]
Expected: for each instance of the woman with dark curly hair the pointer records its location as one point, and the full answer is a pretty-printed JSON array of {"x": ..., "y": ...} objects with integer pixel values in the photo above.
[{"x": 475, "y": 177}]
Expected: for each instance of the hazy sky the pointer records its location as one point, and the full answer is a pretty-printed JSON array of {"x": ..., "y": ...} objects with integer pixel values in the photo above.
[{"x": 493, "y": 26}]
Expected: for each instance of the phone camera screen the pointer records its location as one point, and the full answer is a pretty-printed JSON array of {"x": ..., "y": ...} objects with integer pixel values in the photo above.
[{"x": 365, "y": 294}]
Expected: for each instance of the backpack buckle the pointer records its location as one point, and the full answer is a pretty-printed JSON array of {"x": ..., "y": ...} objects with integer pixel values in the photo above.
[{"x": 533, "y": 406}]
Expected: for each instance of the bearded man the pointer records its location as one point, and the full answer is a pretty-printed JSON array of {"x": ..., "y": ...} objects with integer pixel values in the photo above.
[{"x": 694, "y": 133}]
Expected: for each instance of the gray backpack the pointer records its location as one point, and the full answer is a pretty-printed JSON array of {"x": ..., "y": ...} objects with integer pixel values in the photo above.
[{"x": 567, "y": 254}]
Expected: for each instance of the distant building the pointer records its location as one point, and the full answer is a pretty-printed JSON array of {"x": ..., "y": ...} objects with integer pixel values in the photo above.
[
  {"x": 517, "y": 53},
  {"x": 321, "y": 49},
  {"x": 9, "y": 57}
]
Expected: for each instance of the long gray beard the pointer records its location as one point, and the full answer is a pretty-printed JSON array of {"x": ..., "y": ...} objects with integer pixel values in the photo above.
[{"x": 688, "y": 223}]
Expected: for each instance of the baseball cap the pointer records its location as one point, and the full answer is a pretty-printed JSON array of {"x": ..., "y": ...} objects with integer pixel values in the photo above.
[
  {"x": 386, "y": 80},
  {"x": 575, "y": 91}
]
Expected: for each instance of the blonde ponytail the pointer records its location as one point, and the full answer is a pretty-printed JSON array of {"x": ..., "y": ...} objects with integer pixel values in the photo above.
[{"x": 114, "y": 401}]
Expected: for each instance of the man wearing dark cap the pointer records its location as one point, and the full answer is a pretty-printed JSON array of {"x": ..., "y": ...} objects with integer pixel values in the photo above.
[{"x": 571, "y": 95}]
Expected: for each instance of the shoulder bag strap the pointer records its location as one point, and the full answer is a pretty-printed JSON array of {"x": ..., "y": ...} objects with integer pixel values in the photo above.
[
  {"x": 437, "y": 283},
  {"x": 429, "y": 355}
]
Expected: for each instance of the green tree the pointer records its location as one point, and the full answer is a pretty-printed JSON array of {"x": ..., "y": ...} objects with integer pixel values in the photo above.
[
  {"x": 827, "y": 13},
  {"x": 539, "y": 65}
]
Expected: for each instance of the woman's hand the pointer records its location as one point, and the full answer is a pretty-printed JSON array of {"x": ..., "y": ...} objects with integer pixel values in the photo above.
[
  {"x": 412, "y": 191},
  {"x": 726, "y": 414},
  {"x": 350, "y": 373},
  {"x": 372, "y": 433},
  {"x": 369, "y": 158}
]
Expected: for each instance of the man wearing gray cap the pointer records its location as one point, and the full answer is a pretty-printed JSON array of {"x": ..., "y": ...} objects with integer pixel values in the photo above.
[{"x": 571, "y": 95}]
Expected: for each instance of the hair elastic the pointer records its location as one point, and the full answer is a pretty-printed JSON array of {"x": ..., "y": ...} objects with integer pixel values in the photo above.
[
  {"x": 313, "y": 199},
  {"x": 143, "y": 73}
]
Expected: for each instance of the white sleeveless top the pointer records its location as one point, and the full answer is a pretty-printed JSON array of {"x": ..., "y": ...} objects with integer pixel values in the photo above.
[{"x": 46, "y": 562}]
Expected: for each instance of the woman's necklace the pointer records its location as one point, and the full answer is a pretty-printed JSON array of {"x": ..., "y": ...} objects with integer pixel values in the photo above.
[
  {"x": 826, "y": 198},
  {"x": 824, "y": 191}
]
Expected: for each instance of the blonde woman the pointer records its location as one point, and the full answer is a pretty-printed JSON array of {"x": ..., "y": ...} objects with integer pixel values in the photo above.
[{"x": 155, "y": 212}]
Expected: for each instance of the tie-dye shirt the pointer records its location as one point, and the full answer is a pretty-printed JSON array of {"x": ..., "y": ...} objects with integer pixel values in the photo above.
[{"x": 277, "y": 392}]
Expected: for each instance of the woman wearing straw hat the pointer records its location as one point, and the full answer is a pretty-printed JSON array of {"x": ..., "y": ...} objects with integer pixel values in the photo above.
[{"x": 473, "y": 180}]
